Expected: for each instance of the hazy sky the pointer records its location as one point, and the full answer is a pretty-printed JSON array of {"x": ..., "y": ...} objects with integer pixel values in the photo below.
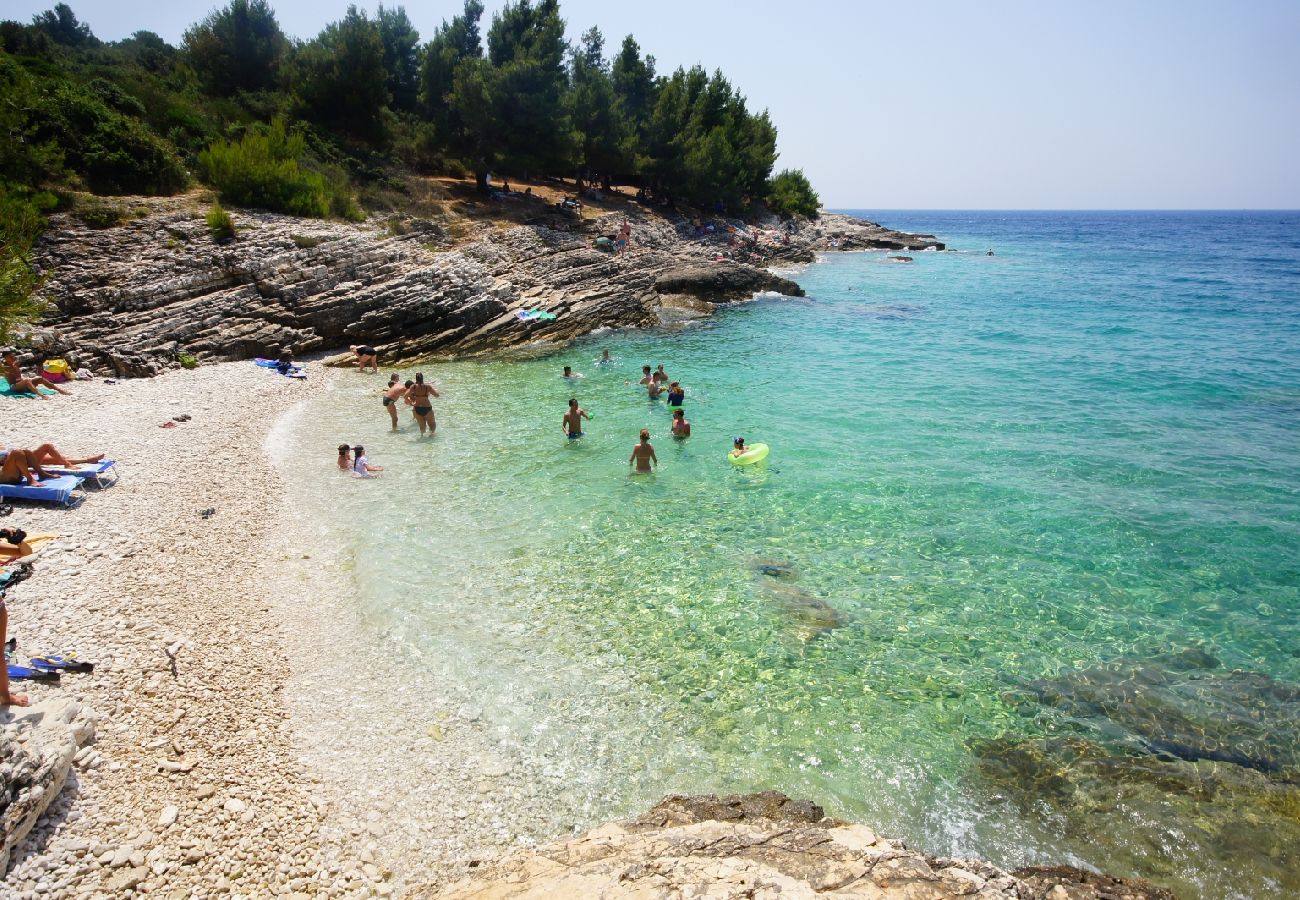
[{"x": 1019, "y": 105}]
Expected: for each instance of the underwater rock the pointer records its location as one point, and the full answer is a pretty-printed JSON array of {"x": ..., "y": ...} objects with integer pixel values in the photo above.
[
  {"x": 1178, "y": 706},
  {"x": 773, "y": 568},
  {"x": 812, "y": 615}
]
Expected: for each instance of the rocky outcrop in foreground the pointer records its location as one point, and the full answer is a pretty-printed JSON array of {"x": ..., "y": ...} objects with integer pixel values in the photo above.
[
  {"x": 762, "y": 846},
  {"x": 37, "y": 750},
  {"x": 131, "y": 299}
]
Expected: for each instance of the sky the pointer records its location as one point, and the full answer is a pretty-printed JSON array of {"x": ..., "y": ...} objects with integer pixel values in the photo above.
[{"x": 1005, "y": 104}]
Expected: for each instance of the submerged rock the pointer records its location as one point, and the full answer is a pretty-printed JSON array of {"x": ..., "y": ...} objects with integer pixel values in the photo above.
[
  {"x": 773, "y": 568},
  {"x": 811, "y": 615},
  {"x": 1205, "y": 759}
]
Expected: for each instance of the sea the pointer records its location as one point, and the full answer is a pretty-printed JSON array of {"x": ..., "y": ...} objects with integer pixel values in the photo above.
[{"x": 1019, "y": 578}]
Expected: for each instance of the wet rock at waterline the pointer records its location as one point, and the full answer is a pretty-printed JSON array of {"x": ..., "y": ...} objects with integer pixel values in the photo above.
[{"x": 761, "y": 846}]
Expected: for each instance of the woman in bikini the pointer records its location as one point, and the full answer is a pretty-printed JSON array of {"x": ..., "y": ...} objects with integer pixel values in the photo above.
[{"x": 421, "y": 408}]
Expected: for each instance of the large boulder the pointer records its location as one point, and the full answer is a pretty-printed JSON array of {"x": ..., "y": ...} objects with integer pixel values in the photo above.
[{"x": 723, "y": 282}]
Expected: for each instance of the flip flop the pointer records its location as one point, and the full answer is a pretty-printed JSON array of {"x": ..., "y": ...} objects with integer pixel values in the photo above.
[{"x": 167, "y": 425}]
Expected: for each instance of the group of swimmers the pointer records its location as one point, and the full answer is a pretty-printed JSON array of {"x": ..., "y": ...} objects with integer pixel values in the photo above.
[{"x": 657, "y": 383}]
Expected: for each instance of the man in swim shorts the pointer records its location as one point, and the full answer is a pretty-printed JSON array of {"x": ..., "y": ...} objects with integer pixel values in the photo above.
[
  {"x": 572, "y": 421},
  {"x": 366, "y": 356},
  {"x": 419, "y": 394},
  {"x": 394, "y": 392},
  {"x": 681, "y": 427},
  {"x": 643, "y": 454}
]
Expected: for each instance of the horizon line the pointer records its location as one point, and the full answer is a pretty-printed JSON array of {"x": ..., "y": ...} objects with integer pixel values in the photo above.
[{"x": 1264, "y": 209}]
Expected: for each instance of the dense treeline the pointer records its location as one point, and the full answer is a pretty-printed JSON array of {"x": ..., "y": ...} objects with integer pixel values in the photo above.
[{"x": 294, "y": 125}]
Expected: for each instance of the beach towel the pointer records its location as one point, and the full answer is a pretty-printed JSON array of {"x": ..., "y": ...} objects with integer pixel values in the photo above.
[
  {"x": 97, "y": 473},
  {"x": 7, "y": 391},
  {"x": 51, "y": 490},
  {"x": 30, "y": 545}
]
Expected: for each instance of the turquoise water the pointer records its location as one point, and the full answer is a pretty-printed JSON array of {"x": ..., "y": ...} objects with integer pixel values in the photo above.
[{"x": 985, "y": 471}]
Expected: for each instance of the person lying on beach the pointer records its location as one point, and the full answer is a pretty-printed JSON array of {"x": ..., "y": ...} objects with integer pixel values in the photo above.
[
  {"x": 419, "y": 394},
  {"x": 345, "y": 457},
  {"x": 643, "y": 454},
  {"x": 570, "y": 374},
  {"x": 361, "y": 466},
  {"x": 681, "y": 427},
  {"x": 572, "y": 421},
  {"x": 676, "y": 394},
  {"x": 20, "y": 466},
  {"x": 48, "y": 455},
  {"x": 366, "y": 356},
  {"x": 392, "y": 394},
  {"x": 19, "y": 384}
]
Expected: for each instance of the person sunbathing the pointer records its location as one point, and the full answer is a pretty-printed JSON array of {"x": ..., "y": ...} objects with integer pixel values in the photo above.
[
  {"x": 49, "y": 456},
  {"x": 17, "y": 383},
  {"x": 20, "y": 466}
]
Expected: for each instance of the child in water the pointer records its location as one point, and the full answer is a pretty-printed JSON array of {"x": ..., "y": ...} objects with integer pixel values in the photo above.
[
  {"x": 345, "y": 457},
  {"x": 738, "y": 447},
  {"x": 361, "y": 467},
  {"x": 643, "y": 454}
]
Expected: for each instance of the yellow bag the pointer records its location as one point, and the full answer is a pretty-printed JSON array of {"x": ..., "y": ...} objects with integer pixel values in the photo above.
[{"x": 57, "y": 370}]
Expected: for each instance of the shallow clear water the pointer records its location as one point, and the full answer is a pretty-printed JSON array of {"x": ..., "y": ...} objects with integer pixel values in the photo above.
[{"x": 984, "y": 471}]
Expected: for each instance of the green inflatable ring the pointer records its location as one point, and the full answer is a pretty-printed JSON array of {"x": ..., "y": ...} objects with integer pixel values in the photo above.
[{"x": 755, "y": 453}]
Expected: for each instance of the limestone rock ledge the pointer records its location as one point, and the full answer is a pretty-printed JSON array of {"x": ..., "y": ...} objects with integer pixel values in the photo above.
[
  {"x": 129, "y": 300},
  {"x": 37, "y": 749},
  {"x": 760, "y": 846}
]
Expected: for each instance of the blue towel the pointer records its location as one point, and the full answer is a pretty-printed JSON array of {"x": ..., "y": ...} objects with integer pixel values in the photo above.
[{"x": 7, "y": 391}]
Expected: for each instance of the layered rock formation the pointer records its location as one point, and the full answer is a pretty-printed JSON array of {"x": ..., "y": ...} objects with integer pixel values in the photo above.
[
  {"x": 128, "y": 300},
  {"x": 762, "y": 846}
]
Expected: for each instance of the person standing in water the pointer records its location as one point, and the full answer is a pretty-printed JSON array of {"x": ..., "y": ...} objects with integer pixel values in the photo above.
[
  {"x": 345, "y": 457},
  {"x": 572, "y": 421},
  {"x": 643, "y": 454},
  {"x": 676, "y": 394},
  {"x": 394, "y": 392},
  {"x": 654, "y": 388},
  {"x": 646, "y": 377},
  {"x": 419, "y": 394},
  {"x": 605, "y": 358},
  {"x": 660, "y": 375},
  {"x": 681, "y": 427}
]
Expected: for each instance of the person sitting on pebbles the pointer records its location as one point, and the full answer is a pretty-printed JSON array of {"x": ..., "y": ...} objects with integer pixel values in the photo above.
[{"x": 19, "y": 384}]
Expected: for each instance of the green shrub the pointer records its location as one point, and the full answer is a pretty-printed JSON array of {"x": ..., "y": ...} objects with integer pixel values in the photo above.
[
  {"x": 307, "y": 241},
  {"x": 220, "y": 223},
  {"x": 94, "y": 214},
  {"x": 266, "y": 169},
  {"x": 21, "y": 221},
  {"x": 187, "y": 361},
  {"x": 791, "y": 194}
]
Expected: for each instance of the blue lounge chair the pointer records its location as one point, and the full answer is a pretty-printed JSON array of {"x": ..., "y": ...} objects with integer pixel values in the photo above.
[
  {"x": 101, "y": 474},
  {"x": 52, "y": 490}
]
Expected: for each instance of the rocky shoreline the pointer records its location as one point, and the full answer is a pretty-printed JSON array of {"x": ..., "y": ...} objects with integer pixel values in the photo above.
[{"x": 129, "y": 299}]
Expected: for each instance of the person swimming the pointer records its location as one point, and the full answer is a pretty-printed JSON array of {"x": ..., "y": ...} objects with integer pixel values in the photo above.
[
  {"x": 676, "y": 394},
  {"x": 738, "y": 447},
  {"x": 572, "y": 421},
  {"x": 570, "y": 374},
  {"x": 605, "y": 358},
  {"x": 681, "y": 427}
]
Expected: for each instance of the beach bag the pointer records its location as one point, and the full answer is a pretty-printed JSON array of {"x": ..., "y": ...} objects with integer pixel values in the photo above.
[{"x": 57, "y": 370}]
